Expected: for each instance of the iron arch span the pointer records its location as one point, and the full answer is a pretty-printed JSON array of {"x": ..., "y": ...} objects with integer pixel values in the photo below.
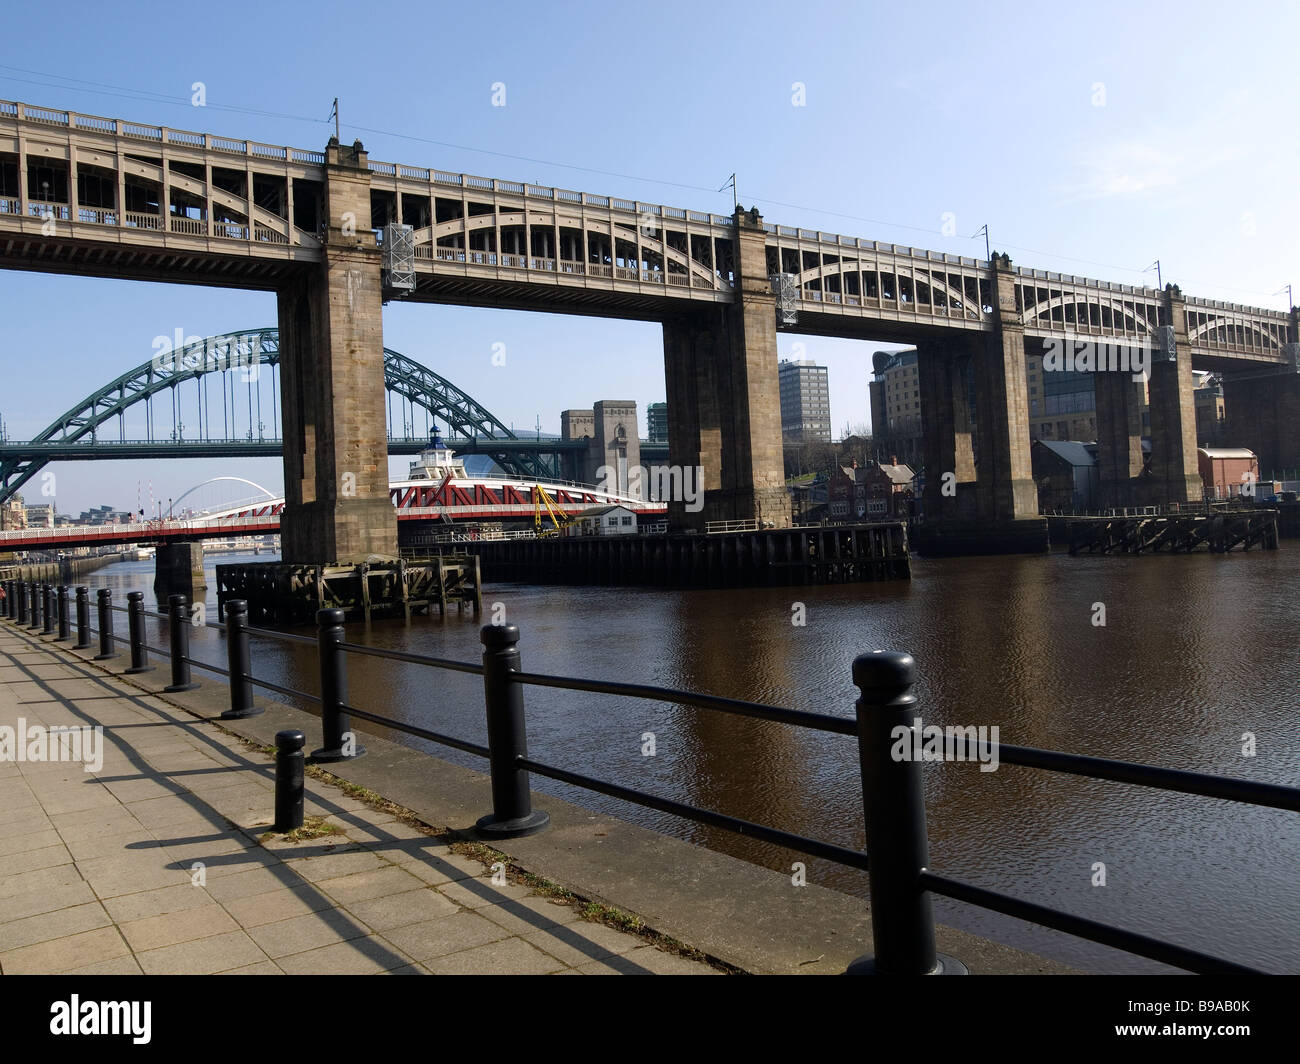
[{"x": 242, "y": 352}]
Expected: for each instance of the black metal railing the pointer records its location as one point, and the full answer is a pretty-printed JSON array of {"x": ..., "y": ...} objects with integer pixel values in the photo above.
[{"x": 897, "y": 861}]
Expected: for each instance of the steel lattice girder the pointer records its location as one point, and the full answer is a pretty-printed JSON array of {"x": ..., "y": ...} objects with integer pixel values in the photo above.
[{"x": 227, "y": 352}]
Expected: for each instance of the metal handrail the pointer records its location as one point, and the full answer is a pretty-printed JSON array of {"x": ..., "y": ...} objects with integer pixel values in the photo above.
[{"x": 799, "y": 718}]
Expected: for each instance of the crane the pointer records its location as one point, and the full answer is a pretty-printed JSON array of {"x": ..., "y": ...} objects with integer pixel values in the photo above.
[{"x": 558, "y": 517}]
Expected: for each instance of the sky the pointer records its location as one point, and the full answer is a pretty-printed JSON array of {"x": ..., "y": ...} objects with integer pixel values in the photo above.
[{"x": 1090, "y": 139}]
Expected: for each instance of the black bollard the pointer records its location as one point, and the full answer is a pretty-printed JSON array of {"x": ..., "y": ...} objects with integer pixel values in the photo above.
[
  {"x": 512, "y": 811},
  {"x": 178, "y": 631},
  {"x": 22, "y": 602},
  {"x": 289, "y": 773},
  {"x": 65, "y": 629},
  {"x": 51, "y": 610},
  {"x": 340, "y": 741},
  {"x": 83, "y": 619},
  {"x": 241, "y": 669},
  {"x": 37, "y": 595},
  {"x": 902, "y": 923},
  {"x": 9, "y": 600},
  {"x": 106, "y": 649},
  {"x": 136, "y": 634}
]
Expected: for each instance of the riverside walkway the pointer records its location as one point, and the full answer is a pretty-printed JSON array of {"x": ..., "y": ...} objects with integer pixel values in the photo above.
[{"x": 161, "y": 862}]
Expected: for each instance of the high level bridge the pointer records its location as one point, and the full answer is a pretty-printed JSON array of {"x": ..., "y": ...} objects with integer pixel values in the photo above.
[{"x": 113, "y": 198}]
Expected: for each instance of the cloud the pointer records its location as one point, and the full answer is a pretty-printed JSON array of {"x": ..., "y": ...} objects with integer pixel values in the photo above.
[{"x": 1121, "y": 169}]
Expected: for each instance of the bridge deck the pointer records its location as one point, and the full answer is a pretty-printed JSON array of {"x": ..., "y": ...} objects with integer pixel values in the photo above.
[{"x": 491, "y": 242}]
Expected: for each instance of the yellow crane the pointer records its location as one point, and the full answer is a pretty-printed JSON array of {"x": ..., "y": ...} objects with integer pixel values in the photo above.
[{"x": 558, "y": 517}]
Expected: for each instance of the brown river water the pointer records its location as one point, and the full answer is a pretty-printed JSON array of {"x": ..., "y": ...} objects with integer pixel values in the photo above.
[{"x": 1196, "y": 651}]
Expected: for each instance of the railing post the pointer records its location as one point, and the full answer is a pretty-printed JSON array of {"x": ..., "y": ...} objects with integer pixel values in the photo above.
[
  {"x": 237, "y": 656},
  {"x": 65, "y": 629},
  {"x": 106, "y": 650},
  {"x": 178, "y": 633},
  {"x": 47, "y": 622},
  {"x": 512, "y": 811},
  {"x": 340, "y": 741},
  {"x": 289, "y": 773},
  {"x": 902, "y": 924},
  {"x": 37, "y": 595},
  {"x": 83, "y": 619},
  {"x": 135, "y": 632}
]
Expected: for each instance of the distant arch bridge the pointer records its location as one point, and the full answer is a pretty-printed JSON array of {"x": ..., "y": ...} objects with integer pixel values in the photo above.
[{"x": 236, "y": 361}]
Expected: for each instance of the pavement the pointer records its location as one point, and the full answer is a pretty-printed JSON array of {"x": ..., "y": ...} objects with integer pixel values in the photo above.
[{"x": 162, "y": 862}]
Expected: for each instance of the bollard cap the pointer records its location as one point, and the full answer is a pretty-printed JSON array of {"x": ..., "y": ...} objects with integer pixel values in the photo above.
[
  {"x": 289, "y": 741},
  {"x": 105, "y": 592},
  {"x": 499, "y": 636},
  {"x": 236, "y": 606},
  {"x": 884, "y": 672},
  {"x": 330, "y": 618},
  {"x": 176, "y": 600},
  {"x": 135, "y": 596},
  {"x": 82, "y": 589}
]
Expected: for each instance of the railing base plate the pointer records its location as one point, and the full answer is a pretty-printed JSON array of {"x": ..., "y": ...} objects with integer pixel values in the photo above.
[
  {"x": 323, "y": 756},
  {"x": 493, "y": 828},
  {"x": 231, "y": 714},
  {"x": 946, "y": 966}
]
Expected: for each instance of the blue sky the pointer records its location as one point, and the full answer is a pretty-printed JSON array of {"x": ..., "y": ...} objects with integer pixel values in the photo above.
[{"x": 1092, "y": 139}]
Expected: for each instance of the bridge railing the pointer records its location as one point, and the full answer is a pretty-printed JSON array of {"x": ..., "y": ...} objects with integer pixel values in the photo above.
[
  {"x": 884, "y": 722},
  {"x": 165, "y": 527}
]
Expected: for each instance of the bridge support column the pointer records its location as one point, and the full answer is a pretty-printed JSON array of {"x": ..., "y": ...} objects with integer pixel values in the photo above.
[
  {"x": 724, "y": 407},
  {"x": 337, "y": 506},
  {"x": 1002, "y": 517},
  {"x": 1119, "y": 438},
  {"x": 943, "y": 369},
  {"x": 1262, "y": 410},
  {"x": 1175, "y": 475},
  {"x": 1006, "y": 479},
  {"x": 178, "y": 570},
  {"x": 694, "y": 421}
]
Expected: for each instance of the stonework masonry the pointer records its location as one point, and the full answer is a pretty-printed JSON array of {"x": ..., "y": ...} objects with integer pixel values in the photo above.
[
  {"x": 724, "y": 408},
  {"x": 1175, "y": 477},
  {"x": 337, "y": 506}
]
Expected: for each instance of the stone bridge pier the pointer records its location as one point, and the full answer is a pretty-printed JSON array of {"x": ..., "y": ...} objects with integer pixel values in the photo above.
[
  {"x": 337, "y": 506},
  {"x": 1262, "y": 409},
  {"x": 724, "y": 406},
  {"x": 178, "y": 570},
  {"x": 979, "y": 495},
  {"x": 1173, "y": 476}
]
